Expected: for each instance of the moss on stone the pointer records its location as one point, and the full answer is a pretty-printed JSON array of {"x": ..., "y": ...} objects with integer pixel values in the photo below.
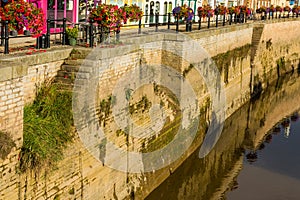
[
  {"x": 225, "y": 60},
  {"x": 6, "y": 144}
]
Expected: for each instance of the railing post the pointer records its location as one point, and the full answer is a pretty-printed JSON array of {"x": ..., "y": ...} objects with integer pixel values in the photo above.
[
  {"x": 169, "y": 20},
  {"x": 156, "y": 22},
  {"x": 177, "y": 23},
  {"x": 86, "y": 30},
  {"x": 240, "y": 19},
  {"x": 187, "y": 25},
  {"x": 38, "y": 43},
  {"x": 48, "y": 33},
  {"x": 140, "y": 26},
  {"x": 64, "y": 36},
  {"x": 91, "y": 35},
  {"x": 2, "y": 33},
  {"x": 6, "y": 39},
  {"x": 199, "y": 26},
  {"x": 216, "y": 20},
  {"x": 208, "y": 22}
]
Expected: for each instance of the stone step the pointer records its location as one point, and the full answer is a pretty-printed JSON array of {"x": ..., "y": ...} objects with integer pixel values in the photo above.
[
  {"x": 66, "y": 74},
  {"x": 82, "y": 51},
  {"x": 64, "y": 87},
  {"x": 78, "y": 56},
  {"x": 74, "y": 62},
  {"x": 63, "y": 80},
  {"x": 70, "y": 68}
]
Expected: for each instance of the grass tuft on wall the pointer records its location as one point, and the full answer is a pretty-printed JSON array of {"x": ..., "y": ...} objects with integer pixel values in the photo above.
[{"x": 47, "y": 128}]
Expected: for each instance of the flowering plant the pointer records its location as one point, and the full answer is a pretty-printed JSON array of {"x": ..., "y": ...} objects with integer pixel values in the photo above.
[
  {"x": 72, "y": 32},
  {"x": 223, "y": 10},
  {"x": 279, "y": 8},
  {"x": 262, "y": 9},
  {"x": 205, "y": 11},
  {"x": 108, "y": 16},
  {"x": 272, "y": 8},
  {"x": 296, "y": 9},
  {"x": 133, "y": 12},
  {"x": 234, "y": 10},
  {"x": 183, "y": 12},
  {"x": 245, "y": 10},
  {"x": 231, "y": 10},
  {"x": 20, "y": 14},
  {"x": 287, "y": 8}
]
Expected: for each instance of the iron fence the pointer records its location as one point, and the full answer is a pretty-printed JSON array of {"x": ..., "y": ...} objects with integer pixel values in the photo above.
[{"x": 90, "y": 33}]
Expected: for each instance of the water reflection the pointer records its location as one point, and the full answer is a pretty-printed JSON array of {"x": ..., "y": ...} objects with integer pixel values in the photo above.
[{"x": 257, "y": 156}]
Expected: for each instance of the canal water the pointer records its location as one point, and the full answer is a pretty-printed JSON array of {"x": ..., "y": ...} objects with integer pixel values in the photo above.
[{"x": 257, "y": 156}]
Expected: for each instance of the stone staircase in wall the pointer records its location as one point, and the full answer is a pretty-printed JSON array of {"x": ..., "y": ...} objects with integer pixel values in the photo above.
[
  {"x": 256, "y": 36},
  {"x": 67, "y": 74}
]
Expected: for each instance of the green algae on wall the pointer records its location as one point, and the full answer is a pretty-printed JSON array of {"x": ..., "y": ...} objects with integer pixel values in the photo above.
[
  {"x": 228, "y": 59},
  {"x": 6, "y": 144}
]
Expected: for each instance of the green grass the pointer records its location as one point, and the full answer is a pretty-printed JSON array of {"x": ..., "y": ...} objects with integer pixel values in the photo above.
[{"x": 47, "y": 128}]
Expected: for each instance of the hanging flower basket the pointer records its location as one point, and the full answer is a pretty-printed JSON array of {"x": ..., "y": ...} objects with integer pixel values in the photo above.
[
  {"x": 205, "y": 11},
  {"x": 262, "y": 9},
  {"x": 287, "y": 9},
  {"x": 133, "y": 12},
  {"x": 295, "y": 9},
  {"x": 108, "y": 16},
  {"x": 279, "y": 9},
  {"x": 223, "y": 10},
  {"x": 21, "y": 14},
  {"x": 183, "y": 12}
]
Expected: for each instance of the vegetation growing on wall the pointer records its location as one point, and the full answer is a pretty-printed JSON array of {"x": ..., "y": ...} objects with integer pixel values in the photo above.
[
  {"x": 144, "y": 104},
  {"x": 6, "y": 144},
  {"x": 105, "y": 108},
  {"x": 47, "y": 128},
  {"x": 224, "y": 60}
]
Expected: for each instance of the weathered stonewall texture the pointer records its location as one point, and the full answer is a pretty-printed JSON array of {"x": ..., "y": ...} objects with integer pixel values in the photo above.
[
  {"x": 19, "y": 78},
  {"x": 79, "y": 175}
]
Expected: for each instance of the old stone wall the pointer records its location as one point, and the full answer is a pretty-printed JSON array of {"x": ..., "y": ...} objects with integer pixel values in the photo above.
[
  {"x": 80, "y": 175},
  {"x": 19, "y": 78}
]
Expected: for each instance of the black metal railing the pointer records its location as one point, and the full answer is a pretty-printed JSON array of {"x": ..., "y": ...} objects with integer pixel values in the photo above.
[{"x": 91, "y": 33}]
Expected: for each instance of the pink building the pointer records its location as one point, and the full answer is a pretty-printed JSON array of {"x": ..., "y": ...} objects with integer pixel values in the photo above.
[{"x": 58, "y": 9}]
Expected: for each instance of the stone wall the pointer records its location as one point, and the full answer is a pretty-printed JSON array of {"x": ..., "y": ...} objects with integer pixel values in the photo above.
[
  {"x": 19, "y": 78},
  {"x": 80, "y": 175}
]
